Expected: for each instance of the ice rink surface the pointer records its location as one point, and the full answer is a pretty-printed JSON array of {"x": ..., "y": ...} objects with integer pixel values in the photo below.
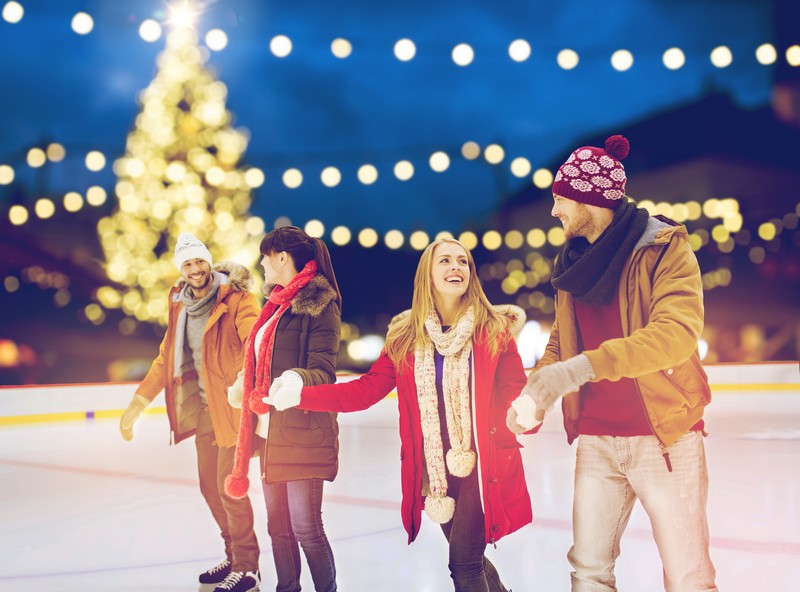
[{"x": 82, "y": 510}]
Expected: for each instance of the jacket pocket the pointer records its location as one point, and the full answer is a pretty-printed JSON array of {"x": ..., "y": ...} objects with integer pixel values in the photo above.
[
  {"x": 508, "y": 473},
  {"x": 690, "y": 380},
  {"x": 303, "y": 428}
]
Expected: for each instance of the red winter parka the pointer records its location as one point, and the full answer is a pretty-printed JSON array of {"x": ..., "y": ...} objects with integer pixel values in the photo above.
[{"x": 497, "y": 381}]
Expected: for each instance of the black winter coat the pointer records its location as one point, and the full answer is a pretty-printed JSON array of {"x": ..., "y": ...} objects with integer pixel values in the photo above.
[{"x": 305, "y": 444}]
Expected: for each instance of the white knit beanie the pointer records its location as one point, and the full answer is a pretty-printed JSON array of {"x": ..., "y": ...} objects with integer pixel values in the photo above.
[{"x": 189, "y": 247}]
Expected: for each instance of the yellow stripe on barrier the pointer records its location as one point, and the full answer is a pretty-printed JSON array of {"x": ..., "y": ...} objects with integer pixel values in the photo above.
[
  {"x": 42, "y": 418},
  {"x": 764, "y": 387},
  {"x": 71, "y": 416}
]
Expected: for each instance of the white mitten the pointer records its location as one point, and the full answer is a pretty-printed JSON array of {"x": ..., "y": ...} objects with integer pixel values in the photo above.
[
  {"x": 525, "y": 410},
  {"x": 132, "y": 413},
  {"x": 285, "y": 391},
  {"x": 552, "y": 382},
  {"x": 236, "y": 392},
  {"x": 512, "y": 421}
]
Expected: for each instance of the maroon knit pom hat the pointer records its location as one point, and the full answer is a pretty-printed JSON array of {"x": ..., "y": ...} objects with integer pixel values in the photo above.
[{"x": 594, "y": 176}]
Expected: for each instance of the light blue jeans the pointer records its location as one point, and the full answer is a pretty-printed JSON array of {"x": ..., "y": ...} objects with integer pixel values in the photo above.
[
  {"x": 294, "y": 515},
  {"x": 610, "y": 474}
]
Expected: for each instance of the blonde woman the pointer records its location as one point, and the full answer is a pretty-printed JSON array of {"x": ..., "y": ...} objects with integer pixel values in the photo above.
[{"x": 456, "y": 367}]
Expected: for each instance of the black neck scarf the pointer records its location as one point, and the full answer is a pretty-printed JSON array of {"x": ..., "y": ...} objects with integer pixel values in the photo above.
[{"x": 591, "y": 271}]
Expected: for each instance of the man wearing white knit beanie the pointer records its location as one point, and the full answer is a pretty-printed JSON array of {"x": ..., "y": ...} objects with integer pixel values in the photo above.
[{"x": 211, "y": 312}]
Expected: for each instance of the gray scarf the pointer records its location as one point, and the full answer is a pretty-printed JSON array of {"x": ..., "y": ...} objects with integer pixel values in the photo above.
[{"x": 194, "y": 311}]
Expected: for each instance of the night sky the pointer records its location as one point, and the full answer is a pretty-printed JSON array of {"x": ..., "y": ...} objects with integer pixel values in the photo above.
[{"x": 311, "y": 109}]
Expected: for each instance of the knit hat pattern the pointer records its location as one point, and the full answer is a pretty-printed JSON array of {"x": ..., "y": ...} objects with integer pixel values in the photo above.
[
  {"x": 595, "y": 176},
  {"x": 190, "y": 247}
]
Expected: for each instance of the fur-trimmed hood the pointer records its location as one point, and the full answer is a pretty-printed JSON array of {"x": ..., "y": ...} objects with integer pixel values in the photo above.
[
  {"x": 515, "y": 316},
  {"x": 239, "y": 278},
  {"x": 311, "y": 299}
]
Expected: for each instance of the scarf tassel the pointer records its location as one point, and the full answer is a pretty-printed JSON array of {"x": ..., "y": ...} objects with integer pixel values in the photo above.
[
  {"x": 460, "y": 462},
  {"x": 440, "y": 509}
]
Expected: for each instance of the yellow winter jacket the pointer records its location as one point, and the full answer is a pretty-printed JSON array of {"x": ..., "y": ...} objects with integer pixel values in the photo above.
[
  {"x": 226, "y": 331},
  {"x": 661, "y": 306}
]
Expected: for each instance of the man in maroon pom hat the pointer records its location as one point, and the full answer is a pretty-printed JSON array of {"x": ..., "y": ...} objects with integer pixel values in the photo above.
[{"x": 623, "y": 358}]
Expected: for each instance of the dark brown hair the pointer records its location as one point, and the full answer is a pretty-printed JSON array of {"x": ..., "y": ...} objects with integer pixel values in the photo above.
[{"x": 302, "y": 248}]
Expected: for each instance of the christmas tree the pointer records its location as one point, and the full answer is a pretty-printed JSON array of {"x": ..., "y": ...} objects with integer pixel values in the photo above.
[{"x": 180, "y": 173}]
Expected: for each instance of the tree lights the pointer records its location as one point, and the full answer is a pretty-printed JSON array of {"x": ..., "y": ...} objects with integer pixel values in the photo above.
[{"x": 180, "y": 173}]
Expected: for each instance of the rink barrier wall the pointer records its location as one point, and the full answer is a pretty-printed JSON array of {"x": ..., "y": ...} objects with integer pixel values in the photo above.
[{"x": 35, "y": 404}]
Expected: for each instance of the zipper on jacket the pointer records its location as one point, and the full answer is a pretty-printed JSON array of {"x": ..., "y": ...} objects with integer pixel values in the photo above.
[
  {"x": 627, "y": 333},
  {"x": 665, "y": 454}
]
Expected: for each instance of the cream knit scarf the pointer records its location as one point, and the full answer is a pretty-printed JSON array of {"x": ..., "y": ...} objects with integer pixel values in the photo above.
[{"x": 456, "y": 346}]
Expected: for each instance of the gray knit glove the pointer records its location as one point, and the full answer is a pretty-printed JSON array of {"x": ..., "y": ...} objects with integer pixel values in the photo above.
[
  {"x": 132, "y": 413},
  {"x": 556, "y": 380}
]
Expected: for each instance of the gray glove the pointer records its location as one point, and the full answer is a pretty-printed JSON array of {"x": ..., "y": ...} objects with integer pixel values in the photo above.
[
  {"x": 556, "y": 380},
  {"x": 132, "y": 413}
]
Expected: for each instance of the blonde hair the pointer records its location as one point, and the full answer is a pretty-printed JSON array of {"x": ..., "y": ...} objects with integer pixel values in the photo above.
[{"x": 407, "y": 332}]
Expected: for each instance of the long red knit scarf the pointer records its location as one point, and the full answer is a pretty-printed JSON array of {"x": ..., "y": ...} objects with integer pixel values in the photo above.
[{"x": 256, "y": 375}]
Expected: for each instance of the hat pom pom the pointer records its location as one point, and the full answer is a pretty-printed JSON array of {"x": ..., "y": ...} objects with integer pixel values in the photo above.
[
  {"x": 440, "y": 509},
  {"x": 236, "y": 487},
  {"x": 618, "y": 147}
]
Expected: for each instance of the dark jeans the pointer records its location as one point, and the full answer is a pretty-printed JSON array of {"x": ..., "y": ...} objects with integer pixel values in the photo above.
[
  {"x": 294, "y": 515},
  {"x": 233, "y": 516},
  {"x": 470, "y": 570}
]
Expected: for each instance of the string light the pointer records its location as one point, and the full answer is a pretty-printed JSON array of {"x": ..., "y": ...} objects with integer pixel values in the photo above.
[
  {"x": 793, "y": 55},
  {"x": 439, "y": 162},
  {"x": 330, "y": 176},
  {"x": 470, "y": 150},
  {"x": 622, "y": 60},
  {"x": 367, "y": 174},
  {"x": 150, "y": 30},
  {"x": 674, "y": 58},
  {"x": 82, "y": 23},
  {"x": 216, "y": 39},
  {"x": 463, "y": 54},
  {"x": 6, "y": 174},
  {"x": 404, "y": 170},
  {"x": 405, "y": 50},
  {"x": 568, "y": 59},
  {"x": 280, "y": 46},
  {"x": 519, "y": 50},
  {"x": 721, "y": 57},
  {"x": 766, "y": 54},
  {"x": 56, "y": 152},
  {"x": 341, "y": 48},
  {"x": 13, "y": 12}
]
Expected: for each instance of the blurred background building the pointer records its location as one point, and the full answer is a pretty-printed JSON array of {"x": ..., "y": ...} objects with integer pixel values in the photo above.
[{"x": 378, "y": 127}]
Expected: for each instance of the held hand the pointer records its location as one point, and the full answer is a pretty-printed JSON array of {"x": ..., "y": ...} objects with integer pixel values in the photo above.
[
  {"x": 132, "y": 413},
  {"x": 285, "y": 391},
  {"x": 235, "y": 392},
  {"x": 552, "y": 382},
  {"x": 512, "y": 421},
  {"x": 526, "y": 412}
]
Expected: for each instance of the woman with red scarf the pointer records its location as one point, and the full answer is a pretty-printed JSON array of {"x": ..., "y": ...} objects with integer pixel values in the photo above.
[{"x": 296, "y": 337}]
